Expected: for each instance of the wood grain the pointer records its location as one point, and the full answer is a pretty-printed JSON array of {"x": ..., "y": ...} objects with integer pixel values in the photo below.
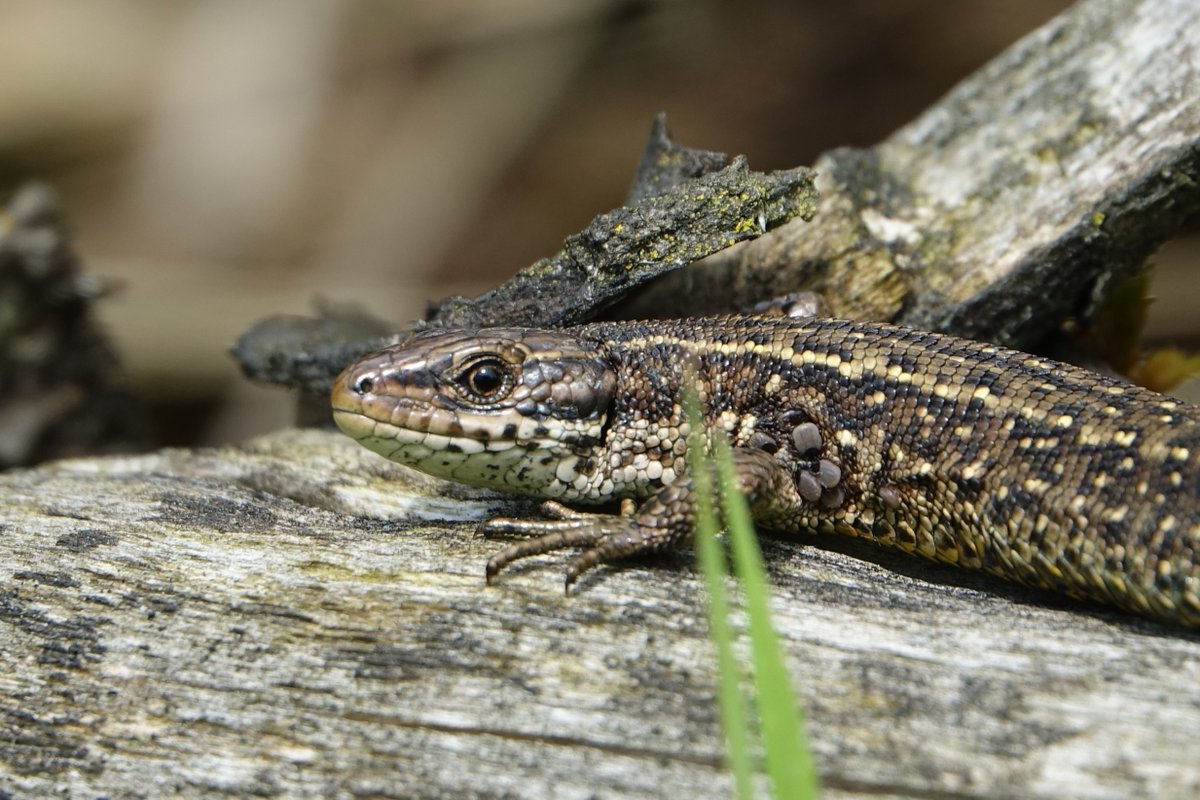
[{"x": 278, "y": 620}]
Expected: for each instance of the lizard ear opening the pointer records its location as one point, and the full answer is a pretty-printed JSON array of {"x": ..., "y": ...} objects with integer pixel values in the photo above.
[
  {"x": 599, "y": 385},
  {"x": 567, "y": 388}
]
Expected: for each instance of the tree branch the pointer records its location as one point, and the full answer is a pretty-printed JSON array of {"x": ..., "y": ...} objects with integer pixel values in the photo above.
[{"x": 1007, "y": 207}]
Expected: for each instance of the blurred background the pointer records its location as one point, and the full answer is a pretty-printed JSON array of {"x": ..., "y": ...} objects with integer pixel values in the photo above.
[{"x": 223, "y": 160}]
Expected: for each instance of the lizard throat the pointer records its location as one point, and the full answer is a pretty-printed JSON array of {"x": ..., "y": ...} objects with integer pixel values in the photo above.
[{"x": 525, "y": 457}]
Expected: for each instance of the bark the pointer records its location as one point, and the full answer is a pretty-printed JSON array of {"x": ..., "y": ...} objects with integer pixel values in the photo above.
[
  {"x": 1008, "y": 207},
  {"x": 283, "y": 620},
  {"x": 1007, "y": 212}
]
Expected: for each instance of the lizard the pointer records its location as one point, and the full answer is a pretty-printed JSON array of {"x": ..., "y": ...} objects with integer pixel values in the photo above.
[{"x": 961, "y": 452}]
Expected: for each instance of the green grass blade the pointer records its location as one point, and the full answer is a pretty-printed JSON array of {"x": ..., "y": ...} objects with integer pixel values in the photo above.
[
  {"x": 789, "y": 758},
  {"x": 711, "y": 558}
]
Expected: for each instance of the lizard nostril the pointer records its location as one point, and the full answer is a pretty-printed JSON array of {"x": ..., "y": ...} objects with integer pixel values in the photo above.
[{"x": 363, "y": 385}]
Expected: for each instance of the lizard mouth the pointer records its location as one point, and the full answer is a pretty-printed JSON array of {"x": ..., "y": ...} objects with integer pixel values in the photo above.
[
  {"x": 497, "y": 463},
  {"x": 354, "y": 424}
]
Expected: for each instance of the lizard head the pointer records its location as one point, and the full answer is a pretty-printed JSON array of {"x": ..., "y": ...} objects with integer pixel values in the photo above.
[{"x": 498, "y": 407}]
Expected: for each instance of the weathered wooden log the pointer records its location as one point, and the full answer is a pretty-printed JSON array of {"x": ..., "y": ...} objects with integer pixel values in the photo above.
[{"x": 283, "y": 620}]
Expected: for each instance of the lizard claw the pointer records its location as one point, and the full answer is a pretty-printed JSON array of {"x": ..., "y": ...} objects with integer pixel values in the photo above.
[
  {"x": 556, "y": 510},
  {"x": 603, "y": 537}
]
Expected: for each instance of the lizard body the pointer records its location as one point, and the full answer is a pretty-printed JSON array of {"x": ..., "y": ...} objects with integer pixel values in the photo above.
[{"x": 961, "y": 452}]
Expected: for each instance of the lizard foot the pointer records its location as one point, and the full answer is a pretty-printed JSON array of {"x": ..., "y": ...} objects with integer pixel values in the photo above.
[
  {"x": 603, "y": 537},
  {"x": 663, "y": 521}
]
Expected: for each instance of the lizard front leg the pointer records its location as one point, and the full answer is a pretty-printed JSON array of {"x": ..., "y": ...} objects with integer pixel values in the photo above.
[{"x": 663, "y": 522}]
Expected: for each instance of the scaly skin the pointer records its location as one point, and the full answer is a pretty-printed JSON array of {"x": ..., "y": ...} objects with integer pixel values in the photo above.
[{"x": 960, "y": 452}]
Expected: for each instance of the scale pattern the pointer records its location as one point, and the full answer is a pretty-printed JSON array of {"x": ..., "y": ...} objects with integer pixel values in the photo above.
[{"x": 960, "y": 452}]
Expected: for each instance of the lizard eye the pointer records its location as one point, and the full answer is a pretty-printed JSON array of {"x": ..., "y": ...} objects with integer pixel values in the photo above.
[{"x": 487, "y": 379}]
